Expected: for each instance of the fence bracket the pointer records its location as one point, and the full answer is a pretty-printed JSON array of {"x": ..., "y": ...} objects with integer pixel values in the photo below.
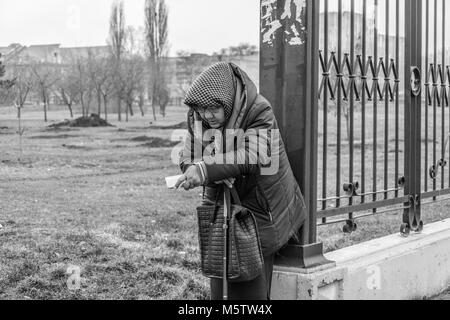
[
  {"x": 349, "y": 226},
  {"x": 302, "y": 256},
  {"x": 412, "y": 222}
]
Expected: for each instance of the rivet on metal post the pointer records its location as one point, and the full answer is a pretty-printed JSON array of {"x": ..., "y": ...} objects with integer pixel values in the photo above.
[
  {"x": 351, "y": 188},
  {"x": 415, "y": 81}
]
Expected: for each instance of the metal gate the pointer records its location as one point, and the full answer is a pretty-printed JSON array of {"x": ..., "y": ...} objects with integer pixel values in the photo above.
[{"x": 383, "y": 128}]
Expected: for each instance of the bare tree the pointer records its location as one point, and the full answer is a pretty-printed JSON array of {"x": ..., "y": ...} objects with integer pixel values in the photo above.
[
  {"x": 100, "y": 72},
  {"x": 163, "y": 98},
  {"x": 45, "y": 77},
  {"x": 135, "y": 69},
  {"x": 23, "y": 85},
  {"x": 141, "y": 100},
  {"x": 67, "y": 88},
  {"x": 2, "y": 68},
  {"x": 117, "y": 42},
  {"x": 156, "y": 38},
  {"x": 19, "y": 92},
  {"x": 132, "y": 75},
  {"x": 85, "y": 85},
  {"x": 107, "y": 87},
  {"x": 5, "y": 85}
]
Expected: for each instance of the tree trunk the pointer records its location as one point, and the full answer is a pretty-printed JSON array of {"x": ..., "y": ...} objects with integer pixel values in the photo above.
[
  {"x": 20, "y": 133},
  {"x": 126, "y": 111},
  {"x": 83, "y": 112},
  {"x": 45, "y": 111},
  {"x": 44, "y": 99},
  {"x": 141, "y": 104},
  {"x": 105, "y": 102},
  {"x": 119, "y": 109},
  {"x": 70, "y": 109},
  {"x": 154, "y": 100},
  {"x": 99, "y": 103},
  {"x": 154, "y": 111},
  {"x": 130, "y": 105},
  {"x": 88, "y": 106}
]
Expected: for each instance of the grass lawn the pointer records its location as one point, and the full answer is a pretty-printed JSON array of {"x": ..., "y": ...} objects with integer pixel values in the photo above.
[{"x": 95, "y": 199}]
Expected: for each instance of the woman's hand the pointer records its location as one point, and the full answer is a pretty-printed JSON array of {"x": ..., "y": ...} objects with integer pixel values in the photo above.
[
  {"x": 190, "y": 179},
  {"x": 228, "y": 182}
]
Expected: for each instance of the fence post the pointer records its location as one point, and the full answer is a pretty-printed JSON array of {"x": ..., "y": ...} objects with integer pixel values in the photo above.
[
  {"x": 413, "y": 100},
  {"x": 289, "y": 80}
]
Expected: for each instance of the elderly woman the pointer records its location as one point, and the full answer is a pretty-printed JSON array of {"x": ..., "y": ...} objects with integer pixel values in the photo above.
[{"x": 223, "y": 97}]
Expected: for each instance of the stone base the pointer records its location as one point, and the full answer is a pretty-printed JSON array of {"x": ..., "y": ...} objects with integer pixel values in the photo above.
[{"x": 392, "y": 267}]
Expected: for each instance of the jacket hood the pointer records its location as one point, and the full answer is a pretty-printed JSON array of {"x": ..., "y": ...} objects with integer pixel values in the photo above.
[
  {"x": 245, "y": 98},
  {"x": 248, "y": 93}
]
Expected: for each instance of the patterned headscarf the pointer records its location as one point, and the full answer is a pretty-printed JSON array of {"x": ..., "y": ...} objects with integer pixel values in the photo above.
[{"x": 215, "y": 85}]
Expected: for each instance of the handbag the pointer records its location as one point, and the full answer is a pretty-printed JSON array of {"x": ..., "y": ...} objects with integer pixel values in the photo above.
[{"x": 244, "y": 258}]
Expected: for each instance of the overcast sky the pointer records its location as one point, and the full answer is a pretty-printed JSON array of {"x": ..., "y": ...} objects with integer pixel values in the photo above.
[{"x": 194, "y": 25}]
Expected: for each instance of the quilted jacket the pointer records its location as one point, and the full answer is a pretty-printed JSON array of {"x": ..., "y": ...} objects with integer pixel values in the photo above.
[{"x": 274, "y": 197}]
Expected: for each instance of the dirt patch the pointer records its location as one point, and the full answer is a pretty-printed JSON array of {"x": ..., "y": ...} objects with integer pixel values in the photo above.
[
  {"x": 93, "y": 120},
  {"x": 181, "y": 125},
  {"x": 75, "y": 147},
  {"x": 25, "y": 163},
  {"x": 142, "y": 139},
  {"x": 60, "y": 136},
  {"x": 159, "y": 143},
  {"x": 154, "y": 142},
  {"x": 6, "y": 130},
  {"x": 59, "y": 129}
]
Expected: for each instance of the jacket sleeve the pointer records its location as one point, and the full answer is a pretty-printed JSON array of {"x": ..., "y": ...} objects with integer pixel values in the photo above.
[
  {"x": 187, "y": 156},
  {"x": 247, "y": 157}
]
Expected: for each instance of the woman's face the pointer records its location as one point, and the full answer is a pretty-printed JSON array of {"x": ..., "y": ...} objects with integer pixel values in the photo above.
[{"x": 215, "y": 116}]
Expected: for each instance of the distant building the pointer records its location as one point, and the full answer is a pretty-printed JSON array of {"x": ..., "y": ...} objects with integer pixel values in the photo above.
[
  {"x": 67, "y": 54},
  {"x": 48, "y": 53},
  {"x": 180, "y": 71},
  {"x": 11, "y": 51}
]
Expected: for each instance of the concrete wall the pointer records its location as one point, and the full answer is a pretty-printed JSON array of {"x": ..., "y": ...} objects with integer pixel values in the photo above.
[{"x": 392, "y": 267}]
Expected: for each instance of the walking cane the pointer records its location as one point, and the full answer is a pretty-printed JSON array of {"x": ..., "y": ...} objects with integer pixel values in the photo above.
[{"x": 225, "y": 242}]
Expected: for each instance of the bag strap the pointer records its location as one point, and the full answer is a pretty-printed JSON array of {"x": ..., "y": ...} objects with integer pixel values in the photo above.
[
  {"x": 216, "y": 206},
  {"x": 230, "y": 194},
  {"x": 227, "y": 199},
  {"x": 235, "y": 195},
  {"x": 211, "y": 221}
]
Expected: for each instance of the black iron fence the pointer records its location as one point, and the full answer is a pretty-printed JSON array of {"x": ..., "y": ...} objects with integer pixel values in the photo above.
[
  {"x": 360, "y": 89},
  {"x": 383, "y": 132}
]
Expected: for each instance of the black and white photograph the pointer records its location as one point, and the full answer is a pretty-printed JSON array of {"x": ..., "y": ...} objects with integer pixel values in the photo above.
[{"x": 241, "y": 150}]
